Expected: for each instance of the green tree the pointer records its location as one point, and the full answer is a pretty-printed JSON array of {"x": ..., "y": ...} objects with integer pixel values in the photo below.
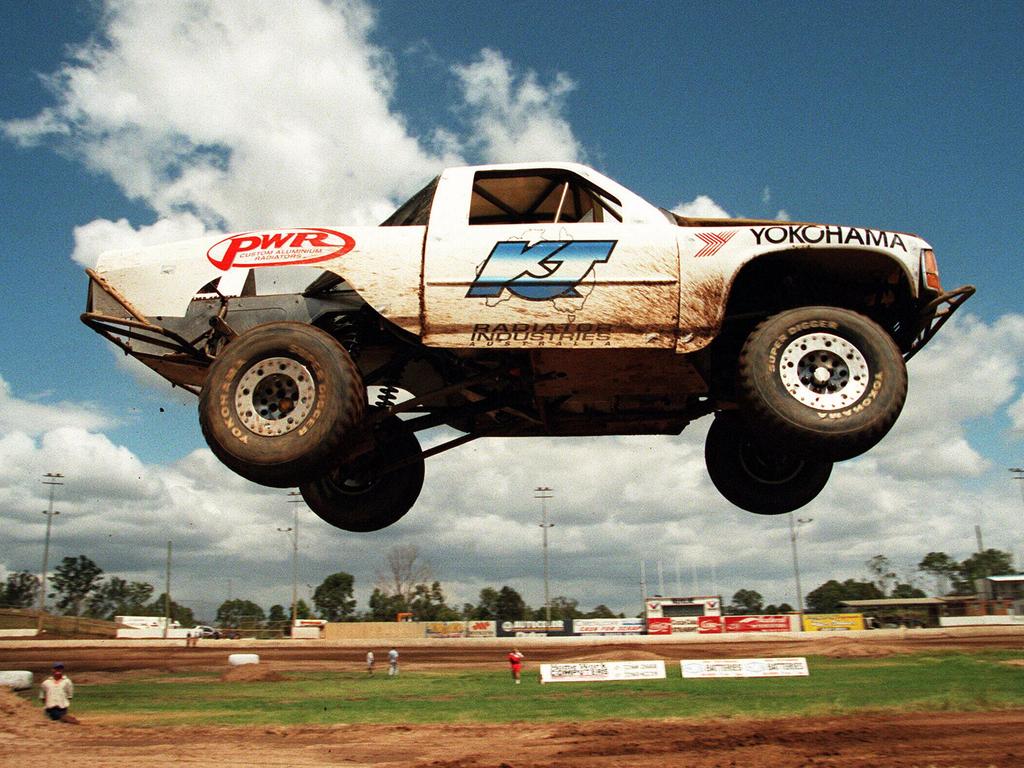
[
  {"x": 333, "y": 598},
  {"x": 302, "y": 610},
  {"x": 385, "y": 607},
  {"x": 118, "y": 597},
  {"x": 21, "y": 590},
  {"x": 829, "y": 596},
  {"x": 562, "y": 609},
  {"x": 428, "y": 604},
  {"x": 602, "y": 611},
  {"x": 746, "y": 601},
  {"x": 509, "y": 606},
  {"x": 883, "y": 573},
  {"x": 179, "y": 613},
  {"x": 487, "y": 608},
  {"x": 991, "y": 562},
  {"x": 942, "y": 567},
  {"x": 277, "y": 617},
  {"x": 774, "y": 610},
  {"x": 240, "y": 613},
  {"x": 73, "y": 581},
  {"x": 907, "y": 591}
]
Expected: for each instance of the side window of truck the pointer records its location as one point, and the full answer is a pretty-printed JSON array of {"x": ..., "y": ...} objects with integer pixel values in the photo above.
[{"x": 539, "y": 197}]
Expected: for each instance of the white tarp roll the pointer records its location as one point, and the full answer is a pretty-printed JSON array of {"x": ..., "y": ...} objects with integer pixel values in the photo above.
[
  {"x": 17, "y": 679},
  {"x": 238, "y": 659},
  {"x": 599, "y": 671}
]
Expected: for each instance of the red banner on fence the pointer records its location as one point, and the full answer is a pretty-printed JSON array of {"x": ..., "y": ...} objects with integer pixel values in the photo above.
[{"x": 758, "y": 624}]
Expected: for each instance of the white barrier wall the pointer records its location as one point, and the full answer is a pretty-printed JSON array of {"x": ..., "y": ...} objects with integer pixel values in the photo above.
[{"x": 975, "y": 621}]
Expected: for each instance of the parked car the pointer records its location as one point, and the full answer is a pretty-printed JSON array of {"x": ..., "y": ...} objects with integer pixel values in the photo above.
[{"x": 528, "y": 300}]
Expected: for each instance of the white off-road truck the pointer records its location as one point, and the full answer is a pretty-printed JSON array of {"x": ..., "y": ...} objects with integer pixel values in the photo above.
[{"x": 529, "y": 300}]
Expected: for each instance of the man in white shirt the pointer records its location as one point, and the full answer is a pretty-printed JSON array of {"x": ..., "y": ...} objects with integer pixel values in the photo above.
[
  {"x": 392, "y": 662},
  {"x": 56, "y": 692}
]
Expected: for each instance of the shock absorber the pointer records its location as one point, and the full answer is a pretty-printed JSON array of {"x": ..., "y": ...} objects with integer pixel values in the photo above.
[
  {"x": 345, "y": 328},
  {"x": 388, "y": 394}
]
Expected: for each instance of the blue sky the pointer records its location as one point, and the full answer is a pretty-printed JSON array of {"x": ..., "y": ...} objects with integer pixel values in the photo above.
[{"x": 898, "y": 116}]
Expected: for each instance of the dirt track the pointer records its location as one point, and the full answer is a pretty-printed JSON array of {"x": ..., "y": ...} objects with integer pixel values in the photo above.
[{"x": 929, "y": 740}]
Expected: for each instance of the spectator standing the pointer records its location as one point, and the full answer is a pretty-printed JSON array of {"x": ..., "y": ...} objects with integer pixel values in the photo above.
[
  {"x": 369, "y": 663},
  {"x": 56, "y": 693},
  {"x": 392, "y": 663},
  {"x": 515, "y": 661}
]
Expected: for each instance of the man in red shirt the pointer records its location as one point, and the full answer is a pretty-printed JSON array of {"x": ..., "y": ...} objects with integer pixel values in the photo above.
[{"x": 515, "y": 660}]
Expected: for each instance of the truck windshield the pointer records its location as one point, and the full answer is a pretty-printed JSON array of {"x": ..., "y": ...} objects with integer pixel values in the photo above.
[{"x": 416, "y": 210}]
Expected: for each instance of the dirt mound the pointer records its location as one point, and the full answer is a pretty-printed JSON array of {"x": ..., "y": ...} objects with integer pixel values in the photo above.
[
  {"x": 251, "y": 673},
  {"x": 13, "y": 705},
  {"x": 19, "y": 719},
  {"x": 617, "y": 655},
  {"x": 850, "y": 648}
]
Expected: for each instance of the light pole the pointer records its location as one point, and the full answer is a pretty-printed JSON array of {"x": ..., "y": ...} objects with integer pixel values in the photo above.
[
  {"x": 1018, "y": 474},
  {"x": 544, "y": 493},
  {"x": 796, "y": 561},
  {"x": 52, "y": 479},
  {"x": 293, "y": 533}
]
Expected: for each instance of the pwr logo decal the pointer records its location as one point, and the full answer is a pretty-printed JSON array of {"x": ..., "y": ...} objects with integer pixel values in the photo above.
[
  {"x": 713, "y": 242},
  {"x": 279, "y": 247}
]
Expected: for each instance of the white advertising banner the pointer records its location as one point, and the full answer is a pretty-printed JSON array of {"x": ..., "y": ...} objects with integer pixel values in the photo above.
[
  {"x": 607, "y": 626},
  {"x": 597, "y": 671},
  {"x": 781, "y": 667}
]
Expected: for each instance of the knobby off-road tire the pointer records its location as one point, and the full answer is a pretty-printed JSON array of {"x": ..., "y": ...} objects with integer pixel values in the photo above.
[
  {"x": 826, "y": 382},
  {"x": 280, "y": 403},
  {"x": 756, "y": 477},
  {"x": 363, "y": 496}
]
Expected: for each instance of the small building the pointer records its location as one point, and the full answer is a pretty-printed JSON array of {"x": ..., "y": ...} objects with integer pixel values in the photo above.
[
  {"x": 1000, "y": 588},
  {"x": 900, "y": 611}
]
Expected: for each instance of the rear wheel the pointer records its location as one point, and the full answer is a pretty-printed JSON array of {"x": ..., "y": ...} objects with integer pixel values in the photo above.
[
  {"x": 280, "y": 403},
  {"x": 754, "y": 477},
  {"x": 827, "y": 382},
  {"x": 376, "y": 489}
]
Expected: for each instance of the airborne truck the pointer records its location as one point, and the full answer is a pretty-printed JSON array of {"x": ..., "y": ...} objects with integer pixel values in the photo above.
[{"x": 528, "y": 300}]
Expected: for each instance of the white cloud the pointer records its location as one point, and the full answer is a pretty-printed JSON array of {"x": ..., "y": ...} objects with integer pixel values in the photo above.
[
  {"x": 701, "y": 207},
  {"x": 516, "y": 118},
  {"x": 200, "y": 107},
  {"x": 101, "y": 235},
  {"x": 33, "y": 418},
  {"x": 1016, "y": 413}
]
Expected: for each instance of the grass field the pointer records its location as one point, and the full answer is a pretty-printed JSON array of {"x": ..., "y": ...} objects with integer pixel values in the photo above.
[{"x": 946, "y": 681}]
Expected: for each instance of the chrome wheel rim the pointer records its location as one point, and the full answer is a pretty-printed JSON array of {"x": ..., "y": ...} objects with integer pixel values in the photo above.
[
  {"x": 275, "y": 396},
  {"x": 824, "y": 371}
]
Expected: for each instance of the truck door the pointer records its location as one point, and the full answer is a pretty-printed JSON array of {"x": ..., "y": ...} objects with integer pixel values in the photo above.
[{"x": 546, "y": 258}]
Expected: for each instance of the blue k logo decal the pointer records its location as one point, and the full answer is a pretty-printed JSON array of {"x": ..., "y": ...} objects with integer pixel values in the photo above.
[{"x": 550, "y": 269}]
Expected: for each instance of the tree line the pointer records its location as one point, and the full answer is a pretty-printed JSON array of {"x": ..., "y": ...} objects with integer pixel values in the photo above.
[
  {"x": 949, "y": 577},
  {"x": 406, "y": 585}
]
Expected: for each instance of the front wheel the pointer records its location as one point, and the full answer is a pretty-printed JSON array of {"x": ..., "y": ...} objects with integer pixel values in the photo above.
[
  {"x": 281, "y": 402},
  {"x": 827, "y": 382},
  {"x": 760, "y": 479},
  {"x": 376, "y": 489}
]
